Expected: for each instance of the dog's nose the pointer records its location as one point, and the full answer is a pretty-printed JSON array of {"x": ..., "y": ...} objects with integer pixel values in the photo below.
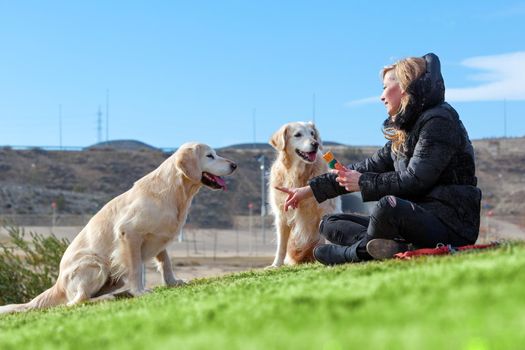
[
  {"x": 315, "y": 144},
  {"x": 233, "y": 166}
]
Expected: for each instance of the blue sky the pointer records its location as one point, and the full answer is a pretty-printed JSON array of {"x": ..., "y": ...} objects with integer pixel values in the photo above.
[{"x": 196, "y": 70}]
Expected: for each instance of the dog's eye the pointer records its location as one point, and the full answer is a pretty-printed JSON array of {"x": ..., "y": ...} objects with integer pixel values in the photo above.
[
  {"x": 298, "y": 135},
  {"x": 210, "y": 156},
  {"x": 312, "y": 133}
]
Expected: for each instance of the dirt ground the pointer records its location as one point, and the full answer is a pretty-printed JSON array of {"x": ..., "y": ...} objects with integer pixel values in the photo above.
[{"x": 190, "y": 268}]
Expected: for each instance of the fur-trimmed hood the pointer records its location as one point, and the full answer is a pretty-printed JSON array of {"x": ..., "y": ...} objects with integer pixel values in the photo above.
[{"x": 426, "y": 92}]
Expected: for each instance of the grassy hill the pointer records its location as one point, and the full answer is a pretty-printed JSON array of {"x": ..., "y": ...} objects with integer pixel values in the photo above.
[{"x": 466, "y": 301}]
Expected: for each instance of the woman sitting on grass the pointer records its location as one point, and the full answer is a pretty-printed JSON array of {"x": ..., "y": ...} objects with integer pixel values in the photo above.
[{"x": 423, "y": 178}]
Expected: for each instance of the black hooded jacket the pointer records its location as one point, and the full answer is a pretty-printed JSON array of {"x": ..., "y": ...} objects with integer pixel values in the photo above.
[{"x": 436, "y": 167}]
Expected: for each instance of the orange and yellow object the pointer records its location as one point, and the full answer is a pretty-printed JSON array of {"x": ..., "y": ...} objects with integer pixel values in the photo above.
[{"x": 332, "y": 162}]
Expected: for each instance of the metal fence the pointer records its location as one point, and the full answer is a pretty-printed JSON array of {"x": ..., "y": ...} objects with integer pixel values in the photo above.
[{"x": 249, "y": 236}]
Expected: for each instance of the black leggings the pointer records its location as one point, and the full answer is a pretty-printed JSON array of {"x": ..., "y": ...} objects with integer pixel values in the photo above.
[{"x": 392, "y": 218}]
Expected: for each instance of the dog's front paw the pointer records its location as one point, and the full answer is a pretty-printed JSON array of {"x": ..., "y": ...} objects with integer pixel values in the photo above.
[
  {"x": 272, "y": 266},
  {"x": 175, "y": 283},
  {"x": 139, "y": 292}
]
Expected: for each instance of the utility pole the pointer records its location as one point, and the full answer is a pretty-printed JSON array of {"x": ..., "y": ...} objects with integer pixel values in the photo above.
[
  {"x": 60, "y": 126},
  {"x": 505, "y": 118},
  {"x": 99, "y": 125},
  {"x": 250, "y": 225},
  {"x": 107, "y": 115},
  {"x": 54, "y": 215},
  {"x": 262, "y": 161},
  {"x": 253, "y": 121}
]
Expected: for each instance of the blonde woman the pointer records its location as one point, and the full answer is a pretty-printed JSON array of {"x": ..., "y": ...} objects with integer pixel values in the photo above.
[{"x": 423, "y": 178}]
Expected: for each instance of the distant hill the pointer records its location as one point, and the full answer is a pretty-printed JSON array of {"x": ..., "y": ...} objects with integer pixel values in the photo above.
[{"x": 130, "y": 145}]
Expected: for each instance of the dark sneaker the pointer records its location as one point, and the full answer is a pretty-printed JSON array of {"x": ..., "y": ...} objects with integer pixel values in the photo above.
[
  {"x": 381, "y": 249},
  {"x": 333, "y": 254}
]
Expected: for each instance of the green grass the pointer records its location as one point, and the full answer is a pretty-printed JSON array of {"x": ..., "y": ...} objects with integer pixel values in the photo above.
[{"x": 466, "y": 301}]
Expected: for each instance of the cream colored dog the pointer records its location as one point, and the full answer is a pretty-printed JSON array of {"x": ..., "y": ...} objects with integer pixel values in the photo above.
[
  {"x": 106, "y": 257},
  {"x": 298, "y": 160}
]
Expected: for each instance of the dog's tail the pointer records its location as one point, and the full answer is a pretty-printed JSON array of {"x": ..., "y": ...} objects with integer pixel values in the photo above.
[
  {"x": 303, "y": 253},
  {"x": 51, "y": 297}
]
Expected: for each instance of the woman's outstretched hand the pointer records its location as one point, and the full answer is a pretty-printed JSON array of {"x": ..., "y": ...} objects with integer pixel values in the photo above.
[
  {"x": 349, "y": 179},
  {"x": 295, "y": 195}
]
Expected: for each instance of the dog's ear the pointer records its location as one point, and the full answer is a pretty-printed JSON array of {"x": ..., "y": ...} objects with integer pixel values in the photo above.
[
  {"x": 280, "y": 138},
  {"x": 188, "y": 162},
  {"x": 317, "y": 135}
]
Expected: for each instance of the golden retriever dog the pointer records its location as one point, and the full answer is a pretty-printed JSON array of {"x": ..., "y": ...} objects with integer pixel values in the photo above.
[
  {"x": 105, "y": 259},
  {"x": 298, "y": 160}
]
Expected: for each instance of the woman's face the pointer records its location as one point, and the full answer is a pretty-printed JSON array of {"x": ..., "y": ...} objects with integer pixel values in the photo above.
[{"x": 392, "y": 93}]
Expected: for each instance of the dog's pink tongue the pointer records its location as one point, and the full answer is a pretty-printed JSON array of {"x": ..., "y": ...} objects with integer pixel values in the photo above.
[
  {"x": 220, "y": 181},
  {"x": 311, "y": 156}
]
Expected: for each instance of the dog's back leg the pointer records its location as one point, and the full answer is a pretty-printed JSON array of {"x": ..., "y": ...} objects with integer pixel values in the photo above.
[
  {"x": 79, "y": 297},
  {"x": 85, "y": 279},
  {"x": 300, "y": 252}
]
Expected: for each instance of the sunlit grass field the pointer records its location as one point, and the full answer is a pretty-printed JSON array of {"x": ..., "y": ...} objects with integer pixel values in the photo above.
[{"x": 464, "y": 301}]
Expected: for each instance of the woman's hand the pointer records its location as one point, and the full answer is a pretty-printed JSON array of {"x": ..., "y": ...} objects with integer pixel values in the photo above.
[
  {"x": 295, "y": 195},
  {"x": 349, "y": 179}
]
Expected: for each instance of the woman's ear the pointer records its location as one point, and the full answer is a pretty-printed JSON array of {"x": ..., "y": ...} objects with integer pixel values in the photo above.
[
  {"x": 280, "y": 138},
  {"x": 188, "y": 162}
]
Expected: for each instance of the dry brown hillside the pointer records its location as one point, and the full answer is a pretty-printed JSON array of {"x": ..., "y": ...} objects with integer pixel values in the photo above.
[
  {"x": 500, "y": 169},
  {"x": 81, "y": 182}
]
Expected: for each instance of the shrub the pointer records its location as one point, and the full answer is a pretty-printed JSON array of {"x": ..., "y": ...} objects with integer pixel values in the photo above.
[{"x": 27, "y": 268}]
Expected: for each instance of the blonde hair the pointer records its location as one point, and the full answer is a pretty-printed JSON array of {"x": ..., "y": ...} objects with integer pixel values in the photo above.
[{"x": 405, "y": 72}]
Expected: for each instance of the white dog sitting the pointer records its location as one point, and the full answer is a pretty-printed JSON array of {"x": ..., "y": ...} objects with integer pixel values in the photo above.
[
  {"x": 298, "y": 160},
  {"x": 106, "y": 257}
]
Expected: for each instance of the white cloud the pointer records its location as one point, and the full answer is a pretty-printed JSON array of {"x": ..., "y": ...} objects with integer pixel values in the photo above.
[
  {"x": 363, "y": 101},
  {"x": 502, "y": 77}
]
